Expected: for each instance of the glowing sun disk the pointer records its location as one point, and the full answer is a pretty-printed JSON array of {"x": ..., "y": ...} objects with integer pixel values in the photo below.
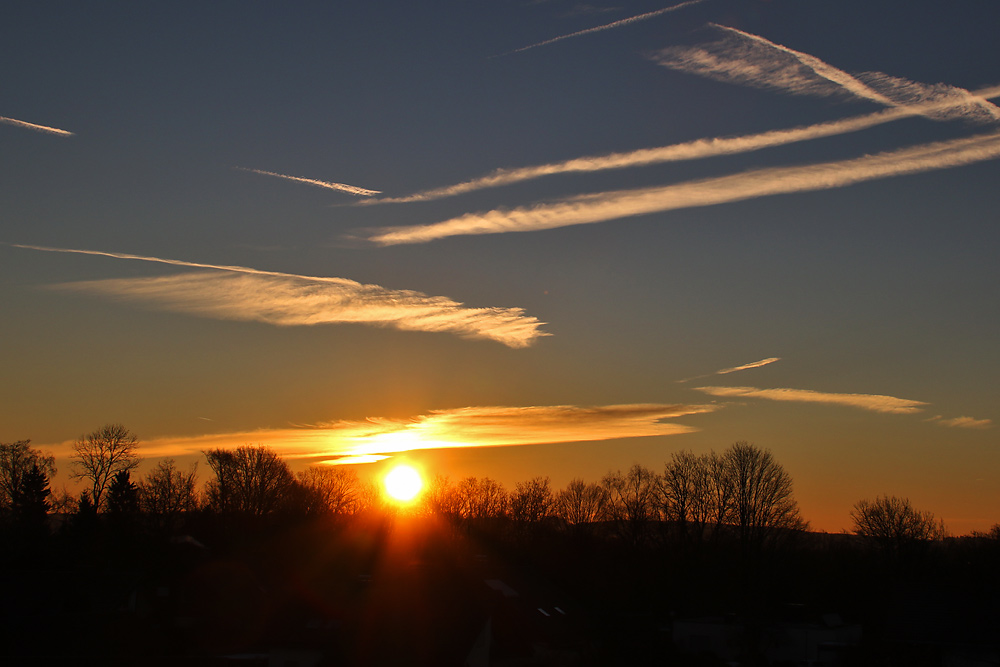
[{"x": 403, "y": 483}]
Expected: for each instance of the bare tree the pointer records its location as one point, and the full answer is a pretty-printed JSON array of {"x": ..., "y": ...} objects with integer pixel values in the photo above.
[
  {"x": 764, "y": 507},
  {"x": 580, "y": 503},
  {"x": 481, "y": 498},
  {"x": 331, "y": 489},
  {"x": 441, "y": 497},
  {"x": 894, "y": 524},
  {"x": 632, "y": 500},
  {"x": 531, "y": 501},
  {"x": 17, "y": 459},
  {"x": 166, "y": 492},
  {"x": 100, "y": 455},
  {"x": 721, "y": 489},
  {"x": 248, "y": 480},
  {"x": 686, "y": 493}
]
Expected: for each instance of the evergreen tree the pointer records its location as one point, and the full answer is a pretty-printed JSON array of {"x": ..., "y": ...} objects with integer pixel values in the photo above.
[
  {"x": 123, "y": 495},
  {"x": 31, "y": 498}
]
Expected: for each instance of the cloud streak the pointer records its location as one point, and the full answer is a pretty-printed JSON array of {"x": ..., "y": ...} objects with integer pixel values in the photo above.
[
  {"x": 744, "y": 367},
  {"x": 480, "y": 426},
  {"x": 693, "y": 150},
  {"x": 607, "y": 26},
  {"x": 872, "y": 402},
  {"x": 242, "y": 293},
  {"x": 603, "y": 206},
  {"x": 750, "y": 59},
  {"x": 734, "y": 369},
  {"x": 342, "y": 187},
  {"x": 963, "y": 422},
  {"x": 36, "y": 128}
]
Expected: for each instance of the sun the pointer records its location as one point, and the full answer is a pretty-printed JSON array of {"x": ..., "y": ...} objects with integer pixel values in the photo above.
[{"x": 403, "y": 483}]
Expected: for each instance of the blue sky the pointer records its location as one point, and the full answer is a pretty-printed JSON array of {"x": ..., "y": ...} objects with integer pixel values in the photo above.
[{"x": 701, "y": 187}]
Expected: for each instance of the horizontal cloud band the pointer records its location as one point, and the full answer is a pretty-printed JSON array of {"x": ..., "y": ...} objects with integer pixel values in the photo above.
[
  {"x": 873, "y": 402},
  {"x": 489, "y": 426}
]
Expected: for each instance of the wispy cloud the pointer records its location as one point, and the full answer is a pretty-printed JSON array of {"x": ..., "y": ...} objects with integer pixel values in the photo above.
[
  {"x": 242, "y": 293},
  {"x": 873, "y": 402},
  {"x": 602, "y": 206},
  {"x": 744, "y": 367},
  {"x": 749, "y": 59},
  {"x": 962, "y": 422},
  {"x": 489, "y": 426},
  {"x": 607, "y": 26},
  {"x": 343, "y": 187},
  {"x": 697, "y": 149},
  {"x": 36, "y": 128},
  {"x": 734, "y": 369}
]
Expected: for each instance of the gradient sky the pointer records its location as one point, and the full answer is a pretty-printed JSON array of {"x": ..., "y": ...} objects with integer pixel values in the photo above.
[{"x": 512, "y": 238}]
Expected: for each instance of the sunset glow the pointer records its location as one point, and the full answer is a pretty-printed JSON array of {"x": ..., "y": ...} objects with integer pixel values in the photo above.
[{"x": 511, "y": 240}]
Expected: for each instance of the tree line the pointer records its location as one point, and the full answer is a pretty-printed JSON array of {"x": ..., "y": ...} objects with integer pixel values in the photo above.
[{"x": 741, "y": 494}]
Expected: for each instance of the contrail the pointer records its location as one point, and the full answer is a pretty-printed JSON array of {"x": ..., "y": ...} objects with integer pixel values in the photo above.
[
  {"x": 608, "y": 26},
  {"x": 286, "y": 299},
  {"x": 744, "y": 367},
  {"x": 36, "y": 128},
  {"x": 753, "y": 62},
  {"x": 828, "y": 72},
  {"x": 734, "y": 369},
  {"x": 690, "y": 150},
  {"x": 343, "y": 187},
  {"x": 602, "y": 206}
]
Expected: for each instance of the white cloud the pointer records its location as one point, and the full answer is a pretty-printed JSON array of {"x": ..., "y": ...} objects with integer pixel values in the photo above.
[
  {"x": 241, "y": 293},
  {"x": 873, "y": 402},
  {"x": 343, "y": 187},
  {"x": 603, "y": 206},
  {"x": 36, "y": 128}
]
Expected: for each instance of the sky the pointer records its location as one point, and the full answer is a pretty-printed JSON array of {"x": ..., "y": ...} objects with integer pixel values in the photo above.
[{"x": 512, "y": 239}]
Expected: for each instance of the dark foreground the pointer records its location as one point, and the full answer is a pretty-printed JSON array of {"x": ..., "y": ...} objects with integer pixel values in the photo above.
[{"x": 397, "y": 590}]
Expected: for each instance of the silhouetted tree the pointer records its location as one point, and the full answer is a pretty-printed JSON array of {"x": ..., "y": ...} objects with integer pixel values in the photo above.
[
  {"x": 248, "y": 480},
  {"x": 86, "y": 513},
  {"x": 531, "y": 501},
  {"x": 580, "y": 503},
  {"x": 763, "y": 504},
  {"x": 330, "y": 489},
  {"x": 31, "y": 500},
  {"x": 992, "y": 534},
  {"x": 441, "y": 497},
  {"x": 721, "y": 489},
  {"x": 686, "y": 493},
  {"x": 16, "y": 460},
  {"x": 166, "y": 492},
  {"x": 481, "y": 498},
  {"x": 631, "y": 500},
  {"x": 101, "y": 455},
  {"x": 123, "y": 495},
  {"x": 894, "y": 525}
]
